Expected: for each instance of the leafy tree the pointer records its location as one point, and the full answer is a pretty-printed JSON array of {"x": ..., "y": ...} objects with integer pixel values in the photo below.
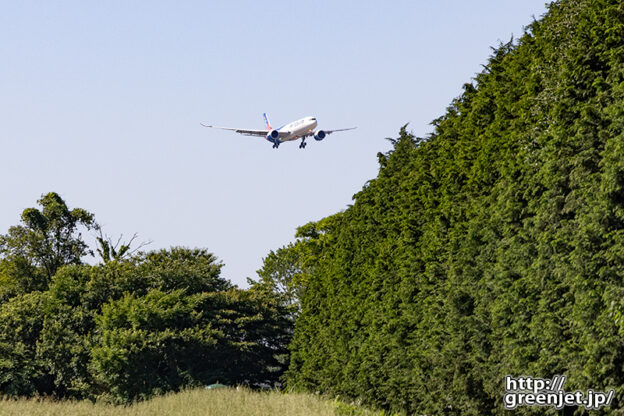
[
  {"x": 280, "y": 274},
  {"x": 194, "y": 270},
  {"x": 161, "y": 342},
  {"x": 21, "y": 322},
  {"x": 285, "y": 272},
  {"x": 47, "y": 239},
  {"x": 134, "y": 327}
]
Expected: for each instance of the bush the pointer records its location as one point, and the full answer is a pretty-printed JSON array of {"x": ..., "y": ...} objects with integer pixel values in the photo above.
[{"x": 133, "y": 328}]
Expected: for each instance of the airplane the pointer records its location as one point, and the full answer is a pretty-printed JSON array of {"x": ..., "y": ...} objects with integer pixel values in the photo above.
[{"x": 301, "y": 128}]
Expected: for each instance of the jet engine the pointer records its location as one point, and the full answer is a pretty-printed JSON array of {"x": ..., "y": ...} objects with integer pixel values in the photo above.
[
  {"x": 319, "y": 135},
  {"x": 272, "y": 135}
]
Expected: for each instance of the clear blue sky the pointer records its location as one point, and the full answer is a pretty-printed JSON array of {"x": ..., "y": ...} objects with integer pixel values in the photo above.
[{"x": 101, "y": 102}]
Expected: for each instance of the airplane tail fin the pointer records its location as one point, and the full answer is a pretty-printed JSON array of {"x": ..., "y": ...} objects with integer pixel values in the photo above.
[{"x": 268, "y": 123}]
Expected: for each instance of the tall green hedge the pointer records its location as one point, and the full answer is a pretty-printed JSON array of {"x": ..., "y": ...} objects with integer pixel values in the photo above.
[{"x": 493, "y": 247}]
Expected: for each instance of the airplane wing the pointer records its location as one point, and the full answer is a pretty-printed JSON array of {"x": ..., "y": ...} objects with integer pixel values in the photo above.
[
  {"x": 247, "y": 132},
  {"x": 330, "y": 131},
  {"x": 335, "y": 130}
]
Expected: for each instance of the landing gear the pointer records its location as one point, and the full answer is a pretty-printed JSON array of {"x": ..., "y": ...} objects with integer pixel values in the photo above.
[
  {"x": 303, "y": 144},
  {"x": 276, "y": 145}
]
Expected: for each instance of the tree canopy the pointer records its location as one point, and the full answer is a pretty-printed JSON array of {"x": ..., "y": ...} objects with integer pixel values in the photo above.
[
  {"x": 46, "y": 239},
  {"x": 492, "y": 247},
  {"x": 140, "y": 323}
]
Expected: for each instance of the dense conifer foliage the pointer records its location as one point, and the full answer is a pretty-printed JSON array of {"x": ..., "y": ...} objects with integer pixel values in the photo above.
[{"x": 493, "y": 247}]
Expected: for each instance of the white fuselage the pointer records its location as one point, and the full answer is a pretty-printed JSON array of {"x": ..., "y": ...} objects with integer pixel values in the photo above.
[{"x": 298, "y": 128}]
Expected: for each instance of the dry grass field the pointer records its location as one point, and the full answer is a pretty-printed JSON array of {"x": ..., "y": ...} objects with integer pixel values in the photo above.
[{"x": 222, "y": 402}]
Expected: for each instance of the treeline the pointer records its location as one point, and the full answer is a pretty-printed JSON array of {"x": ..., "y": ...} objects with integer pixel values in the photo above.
[
  {"x": 493, "y": 247},
  {"x": 135, "y": 325}
]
